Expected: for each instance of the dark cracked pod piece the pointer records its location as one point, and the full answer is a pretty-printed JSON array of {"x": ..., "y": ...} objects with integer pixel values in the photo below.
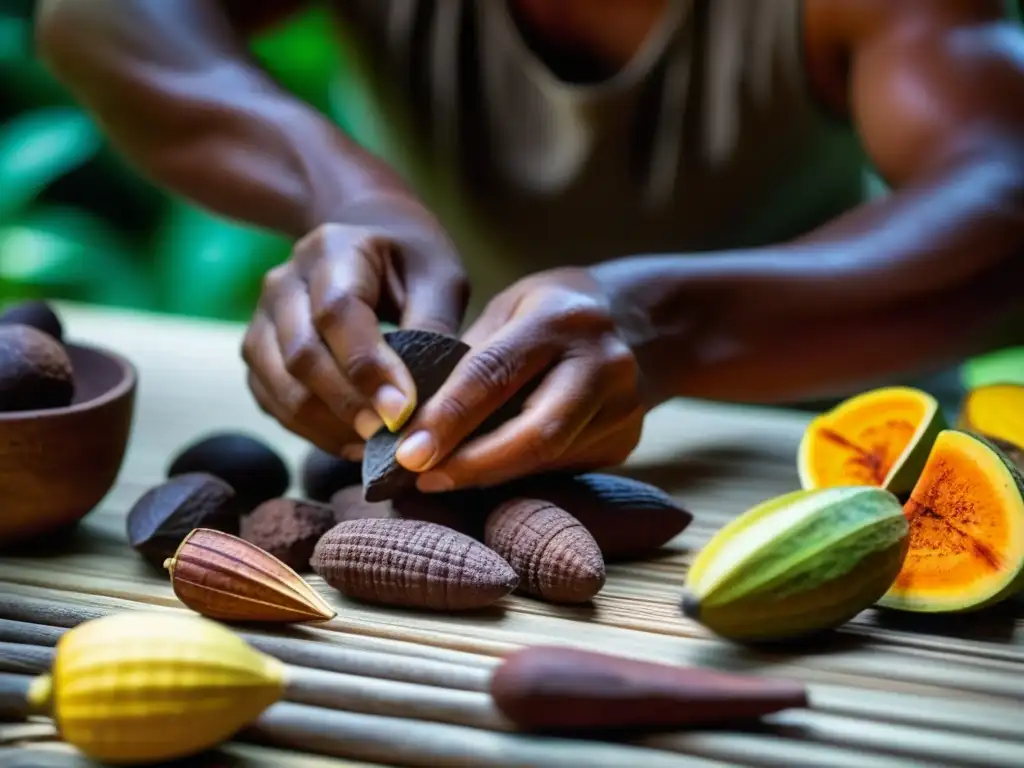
[
  {"x": 628, "y": 519},
  {"x": 165, "y": 514},
  {"x": 255, "y": 471},
  {"x": 430, "y": 358},
  {"x": 288, "y": 529}
]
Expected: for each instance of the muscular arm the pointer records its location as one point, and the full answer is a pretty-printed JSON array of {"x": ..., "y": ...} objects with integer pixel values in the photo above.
[
  {"x": 177, "y": 93},
  {"x": 913, "y": 281}
]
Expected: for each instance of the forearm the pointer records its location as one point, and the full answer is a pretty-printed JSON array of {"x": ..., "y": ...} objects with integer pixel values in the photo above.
[
  {"x": 177, "y": 93},
  {"x": 917, "y": 280}
]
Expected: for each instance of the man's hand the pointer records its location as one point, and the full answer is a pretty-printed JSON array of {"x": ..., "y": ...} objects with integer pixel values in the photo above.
[
  {"x": 586, "y": 411},
  {"x": 317, "y": 359}
]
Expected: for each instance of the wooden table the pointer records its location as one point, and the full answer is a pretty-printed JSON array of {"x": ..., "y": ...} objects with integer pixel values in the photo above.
[{"x": 948, "y": 692}]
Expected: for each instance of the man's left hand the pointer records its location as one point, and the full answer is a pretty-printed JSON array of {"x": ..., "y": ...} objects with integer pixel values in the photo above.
[{"x": 586, "y": 412}]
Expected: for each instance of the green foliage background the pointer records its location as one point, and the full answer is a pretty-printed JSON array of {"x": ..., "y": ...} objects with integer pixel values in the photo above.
[{"x": 76, "y": 223}]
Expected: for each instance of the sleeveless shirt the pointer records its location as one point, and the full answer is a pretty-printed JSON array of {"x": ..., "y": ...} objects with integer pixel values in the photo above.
[{"x": 709, "y": 138}]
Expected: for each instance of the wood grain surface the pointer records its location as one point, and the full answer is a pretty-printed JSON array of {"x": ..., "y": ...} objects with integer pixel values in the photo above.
[{"x": 885, "y": 690}]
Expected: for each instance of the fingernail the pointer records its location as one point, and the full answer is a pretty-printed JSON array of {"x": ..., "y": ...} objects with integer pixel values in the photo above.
[
  {"x": 416, "y": 451},
  {"x": 434, "y": 482},
  {"x": 394, "y": 408},
  {"x": 367, "y": 424}
]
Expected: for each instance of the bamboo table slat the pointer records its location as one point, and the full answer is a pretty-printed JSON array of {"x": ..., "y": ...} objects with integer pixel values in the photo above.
[{"x": 884, "y": 692}]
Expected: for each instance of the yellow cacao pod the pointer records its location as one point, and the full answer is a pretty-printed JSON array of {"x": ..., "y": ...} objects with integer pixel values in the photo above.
[{"x": 144, "y": 687}]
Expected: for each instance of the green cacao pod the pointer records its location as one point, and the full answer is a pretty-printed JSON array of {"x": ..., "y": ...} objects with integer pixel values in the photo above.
[{"x": 797, "y": 564}]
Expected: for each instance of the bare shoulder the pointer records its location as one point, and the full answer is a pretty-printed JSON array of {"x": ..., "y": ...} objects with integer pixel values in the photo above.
[{"x": 836, "y": 30}]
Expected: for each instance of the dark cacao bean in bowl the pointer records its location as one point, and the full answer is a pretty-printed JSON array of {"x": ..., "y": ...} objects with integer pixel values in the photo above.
[{"x": 57, "y": 464}]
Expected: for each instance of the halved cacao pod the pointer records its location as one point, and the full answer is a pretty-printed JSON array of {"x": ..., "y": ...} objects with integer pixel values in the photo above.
[
  {"x": 966, "y": 517},
  {"x": 797, "y": 564},
  {"x": 880, "y": 438}
]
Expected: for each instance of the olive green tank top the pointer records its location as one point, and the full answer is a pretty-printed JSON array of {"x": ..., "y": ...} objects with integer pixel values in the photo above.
[{"x": 707, "y": 139}]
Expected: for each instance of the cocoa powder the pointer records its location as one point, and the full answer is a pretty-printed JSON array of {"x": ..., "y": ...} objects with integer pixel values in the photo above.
[{"x": 288, "y": 529}]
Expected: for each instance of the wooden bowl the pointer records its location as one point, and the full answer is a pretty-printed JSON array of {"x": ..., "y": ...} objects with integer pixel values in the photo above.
[{"x": 57, "y": 464}]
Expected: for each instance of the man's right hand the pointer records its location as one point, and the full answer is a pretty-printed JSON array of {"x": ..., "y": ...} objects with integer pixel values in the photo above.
[{"x": 317, "y": 359}]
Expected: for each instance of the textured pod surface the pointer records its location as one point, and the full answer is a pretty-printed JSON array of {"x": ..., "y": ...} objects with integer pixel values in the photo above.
[
  {"x": 224, "y": 577},
  {"x": 548, "y": 688},
  {"x": 799, "y": 563},
  {"x": 251, "y": 467},
  {"x": 627, "y": 518},
  {"x": 322, "y": 475},
  {"x": 996, "y": 411},
  {"x": 288, "y": 529},
  {"x": 881, "y": 437},
  {"x": 554, "y": 556},
  {"x": 143, "y": 687},
  {"x": 164, "y": 515},
  {"x": 411, "y": 563},
  {"x": 430, "y": 358},
  {"x": 35, "y": 370},
  {"x": 966, "y": 518},
  {"x": 37, "y": 314}
]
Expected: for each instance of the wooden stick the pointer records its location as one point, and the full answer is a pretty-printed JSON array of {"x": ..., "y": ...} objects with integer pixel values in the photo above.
[
  {"x": 75, "y": 607},
  {"x": 414, "y": 743},
  {"x": 33, "y": 616},
  {"x": 56, "y": 754},
  {"x": 334, "y": 691},
  {"x": 33, "y": 634},
  {"x": 14, "y": 696},
  {"x": 331, "y": 690},
  {"x": 25, "y": 659}
]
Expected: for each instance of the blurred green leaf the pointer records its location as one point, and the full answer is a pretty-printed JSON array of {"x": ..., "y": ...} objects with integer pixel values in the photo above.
[
  {"x": 1005, "y": 366},
  {"x": 24, "y": 82},
  {"x": 302, "y": 55},
  {"x": 208, "y": 266},
  {"x": 15, "y": 39},
  {"x": 38, "y": 147},
  {"x": 56, "y": 251}
]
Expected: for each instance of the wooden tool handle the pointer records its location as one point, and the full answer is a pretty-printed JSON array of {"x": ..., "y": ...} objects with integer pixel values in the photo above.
[{"x": 14, "y": 697}]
